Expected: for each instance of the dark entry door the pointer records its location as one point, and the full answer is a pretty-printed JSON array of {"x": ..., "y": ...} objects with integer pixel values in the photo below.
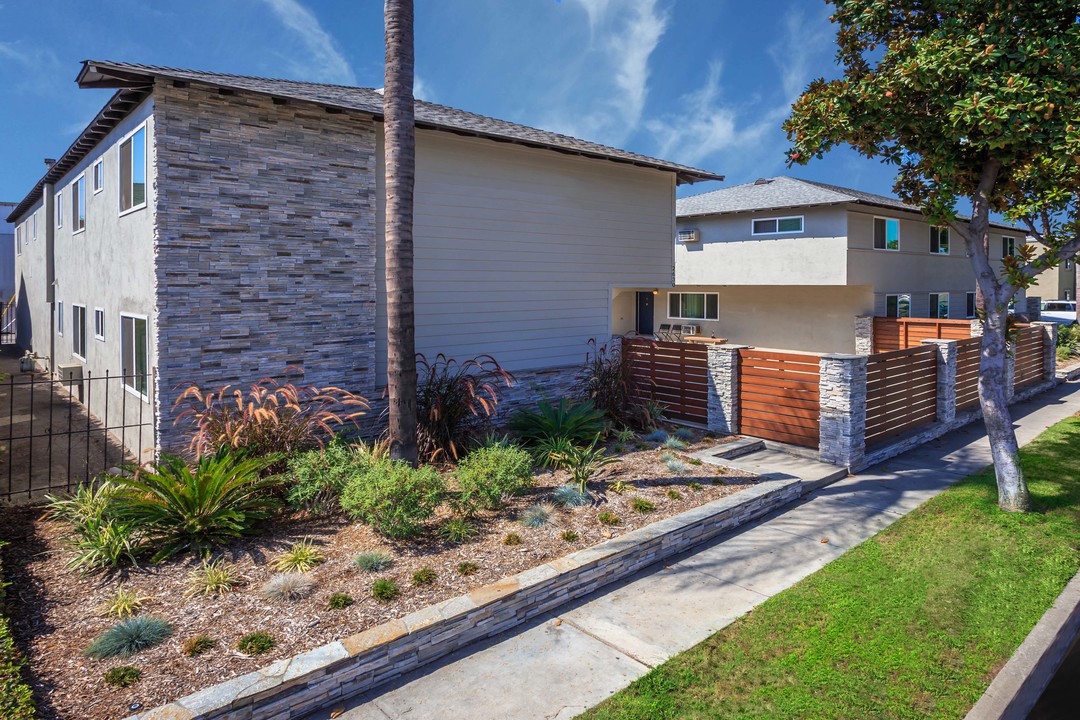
[{"x": 645, "y": 313}]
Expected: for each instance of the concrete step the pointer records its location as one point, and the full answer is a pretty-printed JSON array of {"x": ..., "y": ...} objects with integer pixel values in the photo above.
[{"x": 750, "y": 455}]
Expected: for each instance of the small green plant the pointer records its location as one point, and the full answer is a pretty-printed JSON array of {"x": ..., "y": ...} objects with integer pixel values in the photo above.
[
  {"x": 696, "y": 486},
  {"x": 123, "y": 603},
  {"x": 424, "y": 576},
  {"x": 103, "y": 543},
  {"x": 287, "y": 587},
  {"x": 569, "y": 536},
  {"x": 212, "y": 578},
  {"x": 695, "y": 461},
  {"x": 608, "y": 518},
  {"x": 395, "y": 498},
  {"x": 465, "y": 569},
  {"x": 641, "y": 505},
  {"x": 625, "y": 435},
  {"x": 384, "y": 590},
  {"x": 128, "y": 637},
  {"x": 340, "y": 601},
  {"x": 674, "y": 443},
  {"x": 374, "y": 561},
  {"x": 123, "y": 676},
  {"x": 317, "y": 477},
  {"x": 536, "y": 516},
  {"x": 301, "y": 557},
  {"x": 569, "y": 496},
  {"x": 676, "y": 466},
  {"x": 657, "y": 436},
  {"x": 673, "y": 494},
  {"x": 511, "y": 539},
  {"x": 684, "y": 434},
  {"x": 197, "y": 645},
  {"x": 489, "y": 474},
  {"x": 456, "y": 530},
  {"x": 641, "y": 446},
  {"x": 259, "y": 642},
  {"x": 584, "y": 462},
  {"x": 552, "y": 452},
  {"x": 577, "y": 422},
  {"x": 619, "y": 487}
]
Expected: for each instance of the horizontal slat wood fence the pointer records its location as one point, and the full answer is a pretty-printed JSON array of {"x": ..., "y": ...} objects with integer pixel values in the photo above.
[
  {"x": 675, "y": 375},
  {"x": 1028, "y": 356},
  {"x": 902, "y": 333},
  {"x": 901, "y": 392},
  {"x": 779, "y": 396},
  {"x": 968, "y": 357}
]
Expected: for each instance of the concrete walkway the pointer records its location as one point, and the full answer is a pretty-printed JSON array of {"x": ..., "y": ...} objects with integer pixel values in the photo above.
[{"x": 575, "y": 658}]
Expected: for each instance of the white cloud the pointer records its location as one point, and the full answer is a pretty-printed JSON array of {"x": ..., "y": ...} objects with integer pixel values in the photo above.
[
  {"x": 806, "y": 42},
  {"x": 325, "y": 61},
  {"x": 421, "y": 90}
]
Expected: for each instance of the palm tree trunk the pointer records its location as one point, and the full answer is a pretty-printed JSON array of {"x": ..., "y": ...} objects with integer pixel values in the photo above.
[{"x": 400, "y": 159}]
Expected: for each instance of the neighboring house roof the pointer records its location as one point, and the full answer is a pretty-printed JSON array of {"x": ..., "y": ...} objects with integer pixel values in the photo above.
[{"x": 131, "y": 77}]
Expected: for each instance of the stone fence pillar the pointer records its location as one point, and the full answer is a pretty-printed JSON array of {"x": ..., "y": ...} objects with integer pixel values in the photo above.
[
  {"x": 1050, "y": 331},
  {"x": 864, "y": 334},
  {"x": 946, "y": 379},
  {"x": 843, "y": 410},
  {"x": 724, "y": 388},
  {"x": 976, "y": 327}
]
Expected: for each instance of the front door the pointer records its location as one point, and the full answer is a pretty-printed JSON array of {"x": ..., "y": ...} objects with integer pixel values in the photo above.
[{"x": 644, "y": 313}]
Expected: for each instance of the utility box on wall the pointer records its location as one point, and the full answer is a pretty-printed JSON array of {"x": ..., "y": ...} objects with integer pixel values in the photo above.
[{"x": 71, "y": 375}]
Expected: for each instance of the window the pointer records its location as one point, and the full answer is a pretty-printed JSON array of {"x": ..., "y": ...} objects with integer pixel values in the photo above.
[
  {"x": 33, "y": 226},
  {"x": 775, "y": 226},
  {"x": 694, "y": 306},
  {"x": 886, "y": 234},
  {"x": 18, "y": 239},
  {"x": 99, "y": 176},
  {"x": 60, "y": 209},
  {"x": 969, "y": 310},
  {"x": 60, "y": 319},
  {"x": 78, "y": 205},
  {"x": 78, "y": 331},
  {"x": 939, "y": 240},
  {"x": 99, "y": 323},
  {"x": 133, "y": 171},
  {"x": 898, "y": 306},
  {"x": 134, "y": 354},
  {"x": 1008, "y": 247},
  {"x": 939, "y": 305}
]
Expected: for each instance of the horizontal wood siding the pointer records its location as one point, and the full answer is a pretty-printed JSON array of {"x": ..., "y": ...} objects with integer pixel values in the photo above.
[
  {"x": 779, "y": 396},
  {"x": 902, "y": 333},
  {"x": 968, "y": 358},
  {"x": 675, "y": 375},
  {"x": 1028, "y": 356},
  {"x": 901, "y": 392}
]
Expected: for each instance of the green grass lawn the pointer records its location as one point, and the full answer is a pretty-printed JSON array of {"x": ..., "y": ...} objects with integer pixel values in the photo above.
[{"x": 913, "y": 623}]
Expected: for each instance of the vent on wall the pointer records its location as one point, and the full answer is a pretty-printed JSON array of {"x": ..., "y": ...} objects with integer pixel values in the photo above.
[{"x": 687, "y": 236}]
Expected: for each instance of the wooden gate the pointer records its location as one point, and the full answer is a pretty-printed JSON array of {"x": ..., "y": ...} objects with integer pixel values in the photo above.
[
  {"x": 778, "y": 396},
  {"x": 675, "y": 375}
]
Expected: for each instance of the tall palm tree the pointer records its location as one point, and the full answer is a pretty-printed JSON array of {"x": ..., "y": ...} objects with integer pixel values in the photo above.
[{"x": 400, "y": 159}]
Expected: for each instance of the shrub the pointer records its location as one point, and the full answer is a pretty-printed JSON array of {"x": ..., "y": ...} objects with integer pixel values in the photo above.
[
  {"x": 424, "y": 576},
  {"x": 465, "y": 569},
  {"x": 584, "y": 462},
  {"x": 488, "y": 474},
  {"x": 608, "y": 518},
  {"x": 375, "y": 561},
  {"x": 569, "y": 496},
  {"x": 98, "y": 539},
  {"x": 673, "y": 494},
  {"x": 179, "y": 508},
  {"x": 696, "y": 486},
  {"x": 89, "y": 500},
  {"x": 456, "y": 530},
  {"x": 1068, "y": 342},
  {"x": 511, "y": 539},
  {"x": 16, "y": 698},
  {"x": 536, "y": 516},
  {"x": 288, "y": 587},
  {"x": 695, "y": 461},
  {"x": 340, "y": 601},
  {"x": 626, "y": 435},
  {"x": 270, "y": 418},
  {"x": 553, "y": 452},
  {"x": 212, "y": 578},
  {"x": 577, "y": 422},
  {"x": 453, "y": 401},
  {"x": 657, "y": 436},
  {"x": 123, "y": 603},
  {"x": 317, "y": 477},
  {"x": 641, "y": 505},
  {"x": 569, "y": 536},
  {"x": 609, "y": 386},
  {"x": 384, "y": 590},
  {"x": 684, "y": 434},
  {"x": 676, "y": 466},
  {"x": 674, "y": 443},
  {"x": 394, "y": 498},
  {"x": 123, "y": 675},
  {"x": 195, "y": 646},
  {"x": 619, "y": 487},
  {"x": 128, "y": 637},
  {"x": 256, "y": 643},
  {"x": 301, "y": 557}
]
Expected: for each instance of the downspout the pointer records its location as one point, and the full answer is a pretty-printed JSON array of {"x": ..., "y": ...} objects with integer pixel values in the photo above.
[{"x": 49, "y": 203}]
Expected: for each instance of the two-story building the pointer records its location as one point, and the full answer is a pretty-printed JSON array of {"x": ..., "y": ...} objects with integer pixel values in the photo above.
[{"x": 789, "y": 263}]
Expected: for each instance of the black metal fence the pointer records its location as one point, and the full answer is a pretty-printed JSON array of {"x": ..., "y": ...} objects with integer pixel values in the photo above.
[
  {"x": 62, "y": 432},
  {"x": 8, "y": 322}
]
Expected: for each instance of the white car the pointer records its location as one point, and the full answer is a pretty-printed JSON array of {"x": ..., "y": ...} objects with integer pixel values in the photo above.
[{"x": 1062, "y": 312}]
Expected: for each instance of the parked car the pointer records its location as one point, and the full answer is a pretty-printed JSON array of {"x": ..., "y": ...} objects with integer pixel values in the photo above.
[{"x": 1059, "y": 311}]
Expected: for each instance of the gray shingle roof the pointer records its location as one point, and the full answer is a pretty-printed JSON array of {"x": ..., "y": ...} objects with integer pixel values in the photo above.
[{"x": 777, "y": 193}]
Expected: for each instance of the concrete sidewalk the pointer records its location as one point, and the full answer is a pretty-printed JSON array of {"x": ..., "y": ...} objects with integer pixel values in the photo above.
[{"x": 575, "y": 658}]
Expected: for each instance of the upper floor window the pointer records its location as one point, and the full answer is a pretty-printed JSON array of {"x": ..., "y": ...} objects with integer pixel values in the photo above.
[
  {"x": 969, "y": 310},
  {"x": 887, "y": 234},
  {"x": 78, "y": 205},
  {"x": 33, "y": 226},
  {"x": 60, "y": 318},
  {"x": 898, "y": 306},
  {"x": 775, "y": 226},
  {"x": 59, "y": 209},
  {"x": 939, "y": 240},
  {"x": 939, "y": 305},
  {"x": 1008, "y": 246},
  {"x": 133, "y": 171},
  {"x": 694, "y": 306},
  {"x": 18, "y": 239},
  {"x": 99, "y": 176}
]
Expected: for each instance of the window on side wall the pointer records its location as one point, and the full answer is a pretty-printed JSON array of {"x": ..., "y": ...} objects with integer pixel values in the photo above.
[
  {"x": 59, "y": 209},
  {"x": 33, "y": 226},
  {"x": 776, "y": 226},
  {"x": 99, "y": 323},
  {"x": 939, "y": 240},
  {"x": 694, "y": 306},
  {"x": 886, "y": 234},
  {"x": 939, "y": 305},
  {"x": 18, "y": 239},
  {"x": 60, "y": 319},
  {"x": 99, "y": 176},
  {"x": 78, "y": 205},
  {"x": 78, "y": 331},
  {"x": 969, "y": 307},
  {"x": 1008, "y": 246},
  {"x": 134, "y": 351},
  {"x": 133, "y": 171},
  {"x": 898, "y": 306}
]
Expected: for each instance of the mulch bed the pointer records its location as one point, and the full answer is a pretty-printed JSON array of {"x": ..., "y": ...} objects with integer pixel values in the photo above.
[{"x": 55, "y": 611}]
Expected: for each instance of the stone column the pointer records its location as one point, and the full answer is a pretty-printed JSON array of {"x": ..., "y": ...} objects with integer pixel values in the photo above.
[
  {"x": 1050, "y": 331},
  {"x": 843, "y": 410},
  {"x": 976, "y": 327},
  {"x": 864, "y": 334},
  {"x": 1033, "y": 308},
  {"x": 724, "y": 388},
  {"x": 946, "y": 379}
]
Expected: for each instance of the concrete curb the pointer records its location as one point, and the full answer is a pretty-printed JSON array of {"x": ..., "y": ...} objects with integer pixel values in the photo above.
[
  {"x": 324, "y": 676},
  {"x": 1018, "y": 685}
]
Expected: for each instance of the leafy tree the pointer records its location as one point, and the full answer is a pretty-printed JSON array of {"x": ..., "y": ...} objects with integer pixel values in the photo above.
[{"x": 972, "y": 99}]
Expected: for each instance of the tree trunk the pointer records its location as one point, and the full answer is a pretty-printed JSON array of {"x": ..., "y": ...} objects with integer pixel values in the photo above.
[
  {"x": 400, "y": 159},
  {"x": 993, "y": 396}
]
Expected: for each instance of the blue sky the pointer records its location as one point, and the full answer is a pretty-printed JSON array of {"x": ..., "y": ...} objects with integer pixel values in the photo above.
[{"x": 703, "y": 82}]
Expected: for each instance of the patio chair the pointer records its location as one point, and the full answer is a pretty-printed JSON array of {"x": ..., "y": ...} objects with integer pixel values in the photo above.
[{"x": 664, "y": 333}]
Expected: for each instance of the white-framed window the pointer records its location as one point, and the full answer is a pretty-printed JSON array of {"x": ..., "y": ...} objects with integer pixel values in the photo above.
[
  {"x": 134, "y": 355},
  {"x": 1008, "y": 246},
  {"x": 898, "y": 305},
  {"x": 99, "y": 323},
  {"x": 78, "y": 205},
  {"x": 939, "y": 305},
  {"x": 777, "y": 225},
  {"x": 59, "y": 209},
  {"x": 939, "y": 240},
  {"x": 60, "y": 318},
  {"x": 33, "y": 225},
  {"x": 886, "y": 233},
  {"x": 969, "y": 305},
  {"x": 18, "y": 239},
  {"x": 78, "y": 331},
  {"x": 99, "y": 176},
  {"x": 132, "y": 174},
  {"x": 693, "y": 306}
]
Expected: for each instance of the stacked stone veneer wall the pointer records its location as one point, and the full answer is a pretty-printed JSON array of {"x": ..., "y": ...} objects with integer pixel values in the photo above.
[
  {"x": 264, "y": 243},
  {"x": 322, "y": 677}
]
